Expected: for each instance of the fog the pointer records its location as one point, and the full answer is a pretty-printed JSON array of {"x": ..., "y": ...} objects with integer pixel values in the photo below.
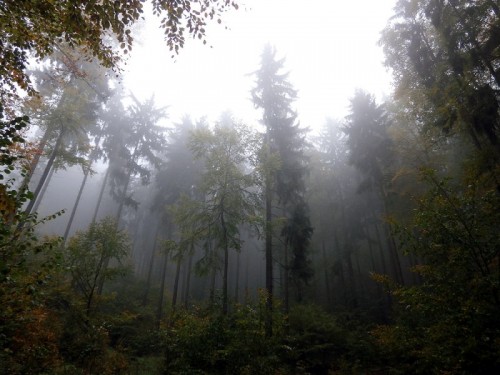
[{"x": 292, "y": 188}]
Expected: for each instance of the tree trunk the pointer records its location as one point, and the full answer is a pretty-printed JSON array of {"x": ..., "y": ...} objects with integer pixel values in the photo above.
[
  {"x": 286, "y": 278},
  {"x": 176, "y": 282},
  {"x": 212, "y": 287},
  {"x": 125, "y": 187},
  {"x": 86, "y": 172},
  {"x": 327, "y": 276},
  {"x": 44, "y": 190},
  {"x": 381, "y": 248},
  {"x": 361, "y": 283},
  {"x": 35, "y": 161},
  {"x": 122, "y": 202},
  {"x": 224, "y": 280},
  {"x": 269, "y": 262},
  {"x": 188, "y": 277},
  {"x": 150, "y": 268},
  {"x": 101, "y": 193},
  {"x": 237, "y": 281},
  {"x": 48, "y": 167},
  {"x": 118, "y": 217},
  {"x": 159, "y": 313},
  {"x": 393, "y": 251},
  {"x": 353, "y": 301},
  {"x": 75, "y": 206}
]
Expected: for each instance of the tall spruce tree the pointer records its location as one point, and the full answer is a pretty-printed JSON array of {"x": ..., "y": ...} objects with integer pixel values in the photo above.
[
  {"x": 371, "y": 152},
  {"x": 284, "y": 169}
]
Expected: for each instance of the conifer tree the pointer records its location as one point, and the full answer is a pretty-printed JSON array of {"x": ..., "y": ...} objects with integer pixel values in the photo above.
[{"x": 284, "y": 169}]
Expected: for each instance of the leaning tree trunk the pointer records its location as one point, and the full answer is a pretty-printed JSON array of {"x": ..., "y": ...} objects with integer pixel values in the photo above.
[
  {"x": 35, "y": 161},
  {"x": 75, "y": 206},
  {"x": 43, "y": 178},
  {"x": 86, "y": 172},
  {"x": 44, "y": 190},
  {"x": 101, "y": 193}
]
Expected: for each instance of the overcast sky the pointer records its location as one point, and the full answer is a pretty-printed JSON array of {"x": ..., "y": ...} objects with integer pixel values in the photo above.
[{"x": 330, "y": 48}]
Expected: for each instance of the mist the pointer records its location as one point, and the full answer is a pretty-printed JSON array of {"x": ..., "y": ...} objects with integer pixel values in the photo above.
[{"x": 275, "y": 187}]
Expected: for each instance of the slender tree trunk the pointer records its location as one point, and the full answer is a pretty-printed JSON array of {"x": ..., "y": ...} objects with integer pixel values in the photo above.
[
  {"x": 118, "y": 217},
  {"x": 150, "y": 267},
  {"x": 75, "y": 206},
  {"x": 224, "y": 279},
  {"x": 35, "y": 161},
  {"x": 125, "y": 187},
  {"x": 286, "y": 279},
  {"x": 86, "y": 172},
  {"x": 101, "y": 193},
  {"x": 159, "y": 314},
  {"x": 176, "y": 282},
  {"x": 269, "y": 261},
  {"x": 343, "y": 285},
  {"x": 212, "y": 286},
  {"x": 237, "y": 281},
  {"x": 370, "y": 250},
  {"x": 43, "y": 191},
  {"x": 361, "y": 283},
  {"x": 396, "y": 262},
  {"x": 247, "y": 264},
  {"x": 327, "y": 276},
  {"x": 188, "y": 277},
  {"x": 122, "y": 201},
  {"x": 381, "y": 248},
  {"x": 48, "y": 167},
  {"x": 350, "y": 271}
]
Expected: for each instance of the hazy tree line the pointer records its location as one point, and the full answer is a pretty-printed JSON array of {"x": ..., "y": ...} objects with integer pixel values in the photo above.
[{"x": 230, "y": 247}]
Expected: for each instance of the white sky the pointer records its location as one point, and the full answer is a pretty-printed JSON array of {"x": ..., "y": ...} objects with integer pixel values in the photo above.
[{"x": 330, "y": 48}]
